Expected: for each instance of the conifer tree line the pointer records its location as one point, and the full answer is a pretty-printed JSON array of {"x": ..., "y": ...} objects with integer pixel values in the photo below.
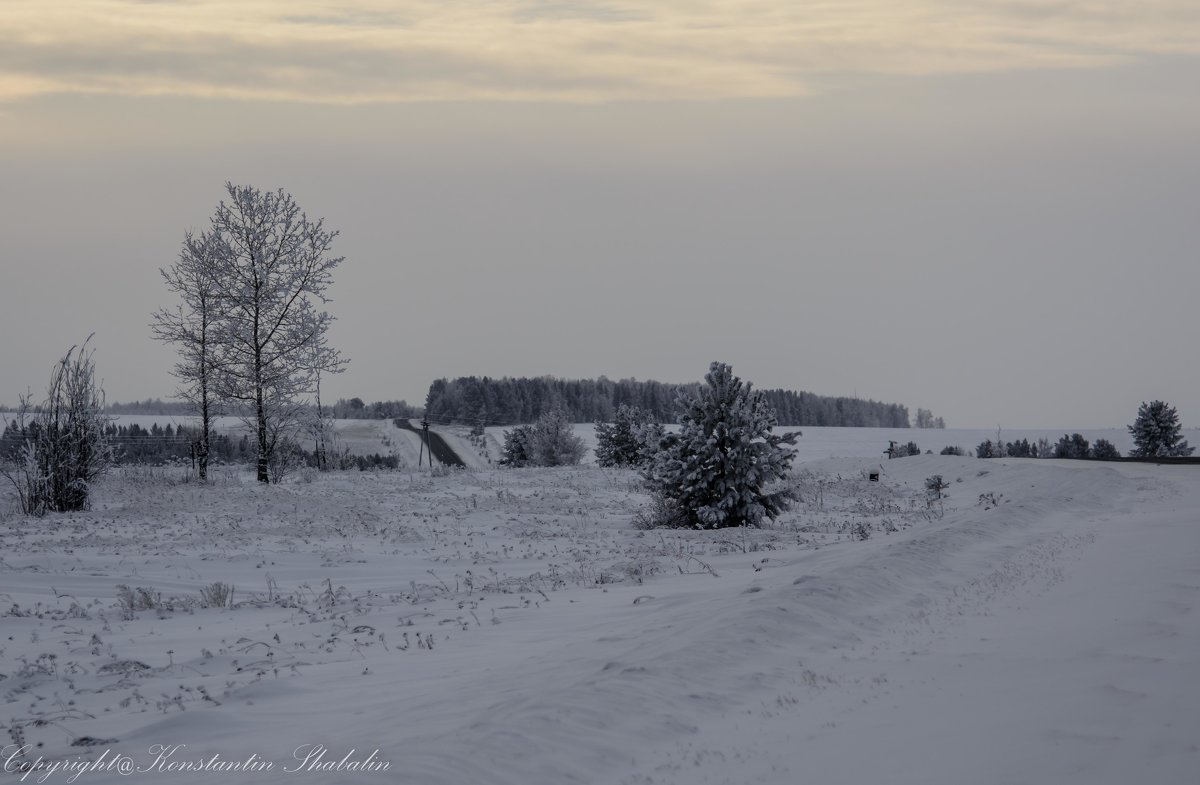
[
  {"x": 474, "y": 400},
  {"x": 341, "y": 409},
  {"x": 1073, "y": 447},
  {"x": 1157, "y": 434},
  {"x": 154, "y": 445}
]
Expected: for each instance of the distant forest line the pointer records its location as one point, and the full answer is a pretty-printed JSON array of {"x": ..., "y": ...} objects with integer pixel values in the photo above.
[
  {"x": 473, "y": 400},
  {"x": 342, "y": 409}
]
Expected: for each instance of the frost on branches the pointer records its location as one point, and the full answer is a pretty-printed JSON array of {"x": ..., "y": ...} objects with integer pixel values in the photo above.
[
  {"x": 714, "y": 473},
  {"x": 268, "y": 267},
  {"x": 629, "y": 440},
  {"x": 53, "y": 453},
  {"x": 1157, "y": 432},
  {"x": 191, "y": 327},
  {"x": 547, "y": 442}
]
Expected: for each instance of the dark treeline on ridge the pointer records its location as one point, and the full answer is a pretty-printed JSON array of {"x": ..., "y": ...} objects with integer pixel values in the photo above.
[
  {"x": 342, "y": 409},
  {"x": 473, "y": 400}
]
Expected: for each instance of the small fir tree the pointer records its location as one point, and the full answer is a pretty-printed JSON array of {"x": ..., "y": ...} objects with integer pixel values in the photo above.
[
  {"x": 714, "y": 472},
  {"x": 1021, "y": 449},
  {"x": 516, "y": 447},
  {"x": 1073, "y": 446},
  {"x": 935, "y": 487},
  {"x": 623, "y": 442},
  {"x": 1104, "y": 450},
  {"x": 1157, "y": 432}
]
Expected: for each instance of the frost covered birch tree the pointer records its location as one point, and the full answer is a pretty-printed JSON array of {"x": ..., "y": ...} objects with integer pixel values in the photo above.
[
  {"x": 190, "y": 326},
  {"x": 271, "y": 267}
]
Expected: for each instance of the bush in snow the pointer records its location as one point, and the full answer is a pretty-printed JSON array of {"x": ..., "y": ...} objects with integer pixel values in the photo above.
[
  {"x": 935, "y": 491},
  {"x": 547, "y": 442},
  {"x": 951, "y": 450},
  {"x": 1157, "y": 432},
  {"x": 895, "y": 450},
  {"x": 663, "y": 512},
  {"x": 1104, "y": 450},
  {"x": 988, "y": 449},
  {"x": 629, "y": 439},
  {"x": 63, "y": 446},
  {"x": 1073, "y": 446},
  {"x": 1021, "y": 449},
  {"x": 713, "y": 473},
  {"x": 553, "y": 443}
]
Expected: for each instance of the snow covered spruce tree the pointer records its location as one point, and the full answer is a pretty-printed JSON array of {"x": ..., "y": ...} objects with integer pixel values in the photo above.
[
  {"x": 270, "y": 266},
  {"x": 713, "y": 474},
  {"x": 516, "y": 447},
  {"x": 63, "y": 446},
  {"x": 625, "y": 441},
  {"x": 190, "y": 326},
  {"x": 1157, "y": 432}
]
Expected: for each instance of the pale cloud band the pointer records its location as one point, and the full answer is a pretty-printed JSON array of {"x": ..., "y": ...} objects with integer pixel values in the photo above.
[{"x": 360, "y": 51}]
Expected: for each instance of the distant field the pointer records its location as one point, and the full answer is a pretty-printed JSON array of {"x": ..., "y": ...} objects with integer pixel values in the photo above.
[
  {"x": 818, "y": 443},
  {"x": 365, "y": 437}
]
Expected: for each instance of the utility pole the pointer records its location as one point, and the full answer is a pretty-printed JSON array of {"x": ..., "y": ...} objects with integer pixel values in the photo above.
[{"x": 425, "y": 444}]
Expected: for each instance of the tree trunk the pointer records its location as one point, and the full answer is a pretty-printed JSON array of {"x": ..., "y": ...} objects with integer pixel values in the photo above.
[
  {"x": 264, "y": 457},
  {"x": 205, "y": 418},
  {"x": 205, "y": 426},
  {"x": 260, "y": 411}
]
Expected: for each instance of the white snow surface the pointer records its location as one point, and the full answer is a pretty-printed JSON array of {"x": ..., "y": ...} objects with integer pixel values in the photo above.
[
  {"x": 819, "y": 443},
  {"x": 367, "y": 437},
  {"x": 512, "y": 626}
]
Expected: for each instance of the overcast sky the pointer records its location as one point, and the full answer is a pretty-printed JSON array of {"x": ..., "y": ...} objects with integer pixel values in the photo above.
[{"x": 990, "y": 209}]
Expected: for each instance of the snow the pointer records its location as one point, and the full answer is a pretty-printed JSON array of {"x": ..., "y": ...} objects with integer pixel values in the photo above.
[
  {"x": 366, "y": 437},
  {"x": 818, "y": 443},
  {"x": 1039, "y": 627}
]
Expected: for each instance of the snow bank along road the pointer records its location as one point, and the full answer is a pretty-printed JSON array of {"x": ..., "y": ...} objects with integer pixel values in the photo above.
[{"x": 512, "y": 627}]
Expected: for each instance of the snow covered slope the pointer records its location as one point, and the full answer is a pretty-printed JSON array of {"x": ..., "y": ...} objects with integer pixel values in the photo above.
[{"x": 512, "y": 627}]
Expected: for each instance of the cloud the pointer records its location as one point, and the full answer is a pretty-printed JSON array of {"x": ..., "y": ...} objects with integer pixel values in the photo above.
[{"x": 361, "y": 51}]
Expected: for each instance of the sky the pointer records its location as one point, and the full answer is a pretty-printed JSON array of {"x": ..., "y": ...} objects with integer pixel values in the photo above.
[{"x": 987, "y": 209}]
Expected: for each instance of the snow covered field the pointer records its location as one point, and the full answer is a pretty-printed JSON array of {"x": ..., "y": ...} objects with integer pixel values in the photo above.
[
  {"x": 497, "y": 626},
  {"x": 366, "y": 437},
  {"x": 817, "y": 443}
]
